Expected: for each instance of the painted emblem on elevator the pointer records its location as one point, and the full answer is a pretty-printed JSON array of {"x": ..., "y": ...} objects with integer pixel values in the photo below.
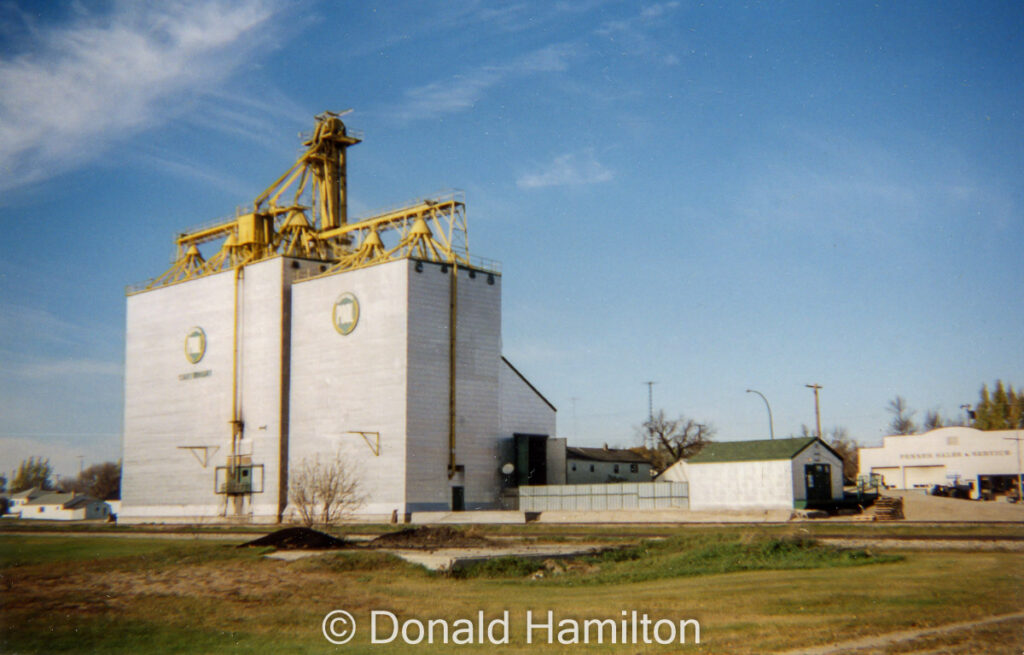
[
  {"x": 345, "y": 314},
  {"x": 195, "y": 344}
]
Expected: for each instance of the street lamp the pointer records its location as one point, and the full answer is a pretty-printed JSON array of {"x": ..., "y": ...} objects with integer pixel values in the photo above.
[{"x": 771, "y": 427}]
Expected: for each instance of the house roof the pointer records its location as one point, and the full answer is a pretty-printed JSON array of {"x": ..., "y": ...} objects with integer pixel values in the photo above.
[
  {"x": 31, "y": 492},
  {"x": 754, "y": 451},
  {"x": 78, "y": 501},
  {"x": 606, "y": 455},
  {"x": 52, "y": 498}
]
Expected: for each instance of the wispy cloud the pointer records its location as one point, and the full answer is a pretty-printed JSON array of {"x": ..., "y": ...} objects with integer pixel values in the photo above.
[
  {"x": 569, "y": 169},
  {"x": 856, "y": 187},
  {"x": 463, "y": 91},
  {"x": 632, "y": 35},
  {"x": 76, "y": 88}
]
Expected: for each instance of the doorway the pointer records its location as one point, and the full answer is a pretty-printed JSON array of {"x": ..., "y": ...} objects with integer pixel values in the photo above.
[
  {"x": 458, "y": 499},
  {"x": 819, "y": 481}
]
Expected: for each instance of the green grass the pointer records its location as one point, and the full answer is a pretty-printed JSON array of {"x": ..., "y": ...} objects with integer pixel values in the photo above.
[
  {"x": 686, "y": 556},
  {"x": 754, "y": 590}
]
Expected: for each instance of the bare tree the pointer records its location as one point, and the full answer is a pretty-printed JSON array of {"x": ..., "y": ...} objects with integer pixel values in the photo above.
[
  {"x": 671, "y": 440},
  {"x": 102, "y": 481},
  {"x": 902, "y": 417},
  {"x": 324, "y": 491},
  {"x": 841, "y": 442}
]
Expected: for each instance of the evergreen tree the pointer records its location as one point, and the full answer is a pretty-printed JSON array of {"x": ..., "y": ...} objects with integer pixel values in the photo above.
[
  {"x": 33, "y": 472},
  {"x": 1003, "y": 409}
]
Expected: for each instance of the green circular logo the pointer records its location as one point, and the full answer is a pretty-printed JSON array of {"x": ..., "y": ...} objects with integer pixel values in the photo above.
[
  {"x": 345, "y": 314},
  {"x": 195, "y": 344}
]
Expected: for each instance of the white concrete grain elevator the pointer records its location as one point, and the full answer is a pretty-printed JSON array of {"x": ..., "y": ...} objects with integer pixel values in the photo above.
[{"x": 304, "y": 336}]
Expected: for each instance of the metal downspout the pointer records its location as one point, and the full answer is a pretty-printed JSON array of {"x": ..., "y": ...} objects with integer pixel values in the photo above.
[{"x": 453, "y": 306}]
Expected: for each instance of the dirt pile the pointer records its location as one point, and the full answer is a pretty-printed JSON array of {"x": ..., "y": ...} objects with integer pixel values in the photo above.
[
  {"x": 429, "y": 538},
  {"x": 298, "y": 539}
]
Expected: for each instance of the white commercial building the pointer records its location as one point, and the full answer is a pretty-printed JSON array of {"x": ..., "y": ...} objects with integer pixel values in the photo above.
[
  {"x": 986, "y": 461},
  {"x": 763, "y": 474}
]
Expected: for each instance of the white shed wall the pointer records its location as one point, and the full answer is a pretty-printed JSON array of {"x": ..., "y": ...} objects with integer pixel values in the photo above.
[
  {"x": 816, "y": 453},
  {"x": 741, "y": 485}
]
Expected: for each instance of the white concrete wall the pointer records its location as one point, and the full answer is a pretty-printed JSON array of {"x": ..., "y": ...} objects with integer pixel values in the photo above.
[
  {"x": 342, "y": 383},
  {"x": 304, "y": 386},
  {"x": 816, "y": 453},
  {"x": 927, "y": 459},
  {"x": 478, "y": 358},
  {"x": 741, "y": 485},
  {"x": 167, "y": 406},
  {"x": 522, "y": 409}
]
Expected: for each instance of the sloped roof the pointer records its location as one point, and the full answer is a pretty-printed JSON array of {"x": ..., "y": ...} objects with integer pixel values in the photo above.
[
  {"x": 31, "y": 492},
  {"x": 78, "y": 501},
  {"x": 754, "y": 451},
  {"x": 606, "y": 455},
  {"x": 528, "y": 383},
  {"x": 53, "y": 498}
]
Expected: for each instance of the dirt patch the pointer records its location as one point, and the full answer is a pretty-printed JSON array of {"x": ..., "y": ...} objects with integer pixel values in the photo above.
[
  {"x": 298, "y": 539},
  {"x": 430, "y": 538}
]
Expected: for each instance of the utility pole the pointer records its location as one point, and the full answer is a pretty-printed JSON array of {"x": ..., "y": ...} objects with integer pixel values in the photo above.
[
  {"x": 817, "y": 409},
  {"x": 1020, "y": 490},
  {"x": 650, "y": 409}
]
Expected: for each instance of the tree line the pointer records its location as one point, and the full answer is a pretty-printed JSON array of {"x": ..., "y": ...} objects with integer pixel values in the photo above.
[
  {"x": 101, "y": 481},
  {"x": 1000, "y": 409}
]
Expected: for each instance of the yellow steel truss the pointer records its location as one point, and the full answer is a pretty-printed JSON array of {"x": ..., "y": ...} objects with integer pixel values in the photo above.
[{"x": 312, "y": 222}]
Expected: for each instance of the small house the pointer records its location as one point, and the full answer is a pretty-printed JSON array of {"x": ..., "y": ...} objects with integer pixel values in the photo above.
[
  {"x": 597, "y": 465},
  {"x": 64, "y": 507}
]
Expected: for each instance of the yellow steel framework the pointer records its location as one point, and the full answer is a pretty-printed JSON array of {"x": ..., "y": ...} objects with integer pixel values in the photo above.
[{"x": 311, "y": 222}]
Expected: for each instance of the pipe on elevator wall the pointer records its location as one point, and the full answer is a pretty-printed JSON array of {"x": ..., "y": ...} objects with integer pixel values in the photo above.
[{"x": 453, "y": 307}]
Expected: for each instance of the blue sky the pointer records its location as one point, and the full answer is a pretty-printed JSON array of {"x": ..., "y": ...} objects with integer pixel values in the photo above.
[{"x": 714, "y": 196}]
